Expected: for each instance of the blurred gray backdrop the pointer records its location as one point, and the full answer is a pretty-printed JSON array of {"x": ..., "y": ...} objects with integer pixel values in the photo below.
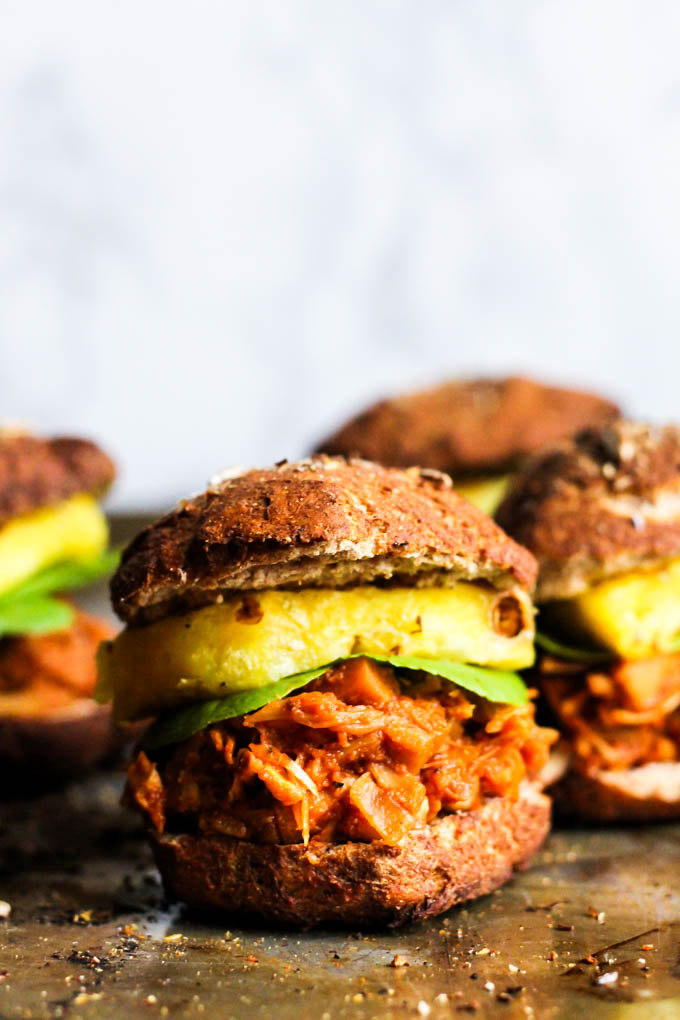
[{"x": 225, "y": 225}]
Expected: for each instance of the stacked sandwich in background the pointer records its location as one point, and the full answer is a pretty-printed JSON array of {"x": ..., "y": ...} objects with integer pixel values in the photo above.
[
  {"x": 478, "y": 431},
  {"x": 329, "y": 648},
  {"x": 602, "y": 515},
  {"x": 53, "y": 538}
]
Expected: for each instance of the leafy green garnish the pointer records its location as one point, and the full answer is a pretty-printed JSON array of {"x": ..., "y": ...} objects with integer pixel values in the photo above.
[
  {"x": 183, "y": 722},
  {"x": 29, "y": 608},
  {"x": 178, "y": 724},
  {"x": 492, "y": 684},
  {"x": 36, "y": 615},
  {"x": 562, "y": 651},
  {"x": 65, "y": 576}
]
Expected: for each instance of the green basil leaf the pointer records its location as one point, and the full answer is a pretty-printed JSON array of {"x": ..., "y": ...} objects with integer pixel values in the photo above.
[
  {"x": 562, "y": 651},
  {"x": 178, "y": 724},
  {"x": 493, "y": 684},
  {"x": 181, "y": 723},
  {"x": 37, "y": 615},
  {"x": 64, "y": 576}
]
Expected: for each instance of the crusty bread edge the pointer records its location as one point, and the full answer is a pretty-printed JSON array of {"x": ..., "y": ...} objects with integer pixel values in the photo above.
[
  {"x": 320, "y": 523},
  {"x": 40, "y": 752},
  {"x": 324, "y": 567},
  {"x": 615, "y": 796},
  {"x": 457, "y": 857}
]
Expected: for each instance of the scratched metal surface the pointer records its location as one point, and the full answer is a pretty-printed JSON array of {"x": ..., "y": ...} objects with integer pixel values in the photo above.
[{"x": 592, "y": 929}]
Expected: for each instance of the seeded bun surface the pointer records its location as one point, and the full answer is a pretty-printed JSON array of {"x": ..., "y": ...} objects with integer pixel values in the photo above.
[
  {"x": 464, "y": 427},
  {"x": 322, "y": 522},
  {"x": 606, "y": 502},
  {"x": 37, "y": 472}
]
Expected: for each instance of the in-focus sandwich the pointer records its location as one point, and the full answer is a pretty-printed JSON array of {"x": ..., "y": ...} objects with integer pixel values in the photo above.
[
  {"x": 329, "y": 648},
  {"x": 53, "y": 538},
  {"x": 478, "y": 431},
  {"x": 602, "y": 516}
]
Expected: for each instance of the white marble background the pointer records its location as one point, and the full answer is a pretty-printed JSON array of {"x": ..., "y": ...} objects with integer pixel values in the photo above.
[{"x": 224, "y": 225}]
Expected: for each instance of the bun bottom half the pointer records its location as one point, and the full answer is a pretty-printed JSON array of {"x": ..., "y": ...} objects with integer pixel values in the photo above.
[
  {"x": 38, "y": 753},
  {"x": 648, "y": 793},
  {"x": 457, "y": 857}
]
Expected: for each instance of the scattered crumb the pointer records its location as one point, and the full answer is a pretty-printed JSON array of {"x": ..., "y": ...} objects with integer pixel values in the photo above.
[
  {"x": 399, "y": 961},
  {"x": 82, "y": 998},
  {"x": 423, "y": 1008}
]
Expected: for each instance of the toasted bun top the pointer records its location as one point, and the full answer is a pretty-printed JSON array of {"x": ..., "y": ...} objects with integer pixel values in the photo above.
[
  {"x": 37, "y": 472},
  {"x": 469, "y": 426},
  {"x": 321, "y": 522},
  {"x": 603, "y": 503}
]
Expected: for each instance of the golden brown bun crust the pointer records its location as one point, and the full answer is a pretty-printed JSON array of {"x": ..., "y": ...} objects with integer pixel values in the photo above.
[
  {"x": 38, "y": 472},
  {"x": 620, "y": 796},
  {"x": 458, "y": 857},
  {"x": 603, "y": 503},
  {"x": 479, "y": 426},
  {"x": 38, "y": 752},
  {"x": 323, "y": 522}
]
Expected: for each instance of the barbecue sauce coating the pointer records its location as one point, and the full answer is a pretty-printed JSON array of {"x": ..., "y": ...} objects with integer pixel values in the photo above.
[{"x": 355, "y": 756}]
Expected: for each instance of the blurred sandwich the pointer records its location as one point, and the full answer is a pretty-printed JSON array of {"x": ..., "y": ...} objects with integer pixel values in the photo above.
[
  {"x": 329, "y": 648},
  {"x": 602, "y": 515},
  {"x": 478, "y": 431},
  {"x": 53, "y": 538}
]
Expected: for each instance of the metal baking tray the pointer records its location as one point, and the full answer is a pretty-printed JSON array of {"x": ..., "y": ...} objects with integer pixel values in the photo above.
[{"x": 592, "y": 929}]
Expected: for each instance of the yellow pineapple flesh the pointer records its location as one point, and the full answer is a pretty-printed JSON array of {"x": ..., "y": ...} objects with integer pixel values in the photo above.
[
  {"x": 252, "y": 639},
  {"x": 634, "y": 616},
  {"x": 74, "y": 529}
]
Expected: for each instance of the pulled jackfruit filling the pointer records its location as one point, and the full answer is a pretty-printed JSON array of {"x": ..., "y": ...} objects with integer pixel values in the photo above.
[
  {"x": 252, "y": 639},
  {"x": 625, "y": 713},
  {"x": 73, "y": 530},
  {"x": 349, "y": 758},
  {"x": 617, "y": 718},
  {"x": 48, "y": 648},
  {"x": 46, "y": 673}
]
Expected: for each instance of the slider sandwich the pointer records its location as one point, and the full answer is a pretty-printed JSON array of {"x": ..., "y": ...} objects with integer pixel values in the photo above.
[
  {"x": 478, "y": 431},
  {"x": 329, "y": 650},
  {"x": 601, "y": 514},
  {"x": 53, "y": 538}
]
